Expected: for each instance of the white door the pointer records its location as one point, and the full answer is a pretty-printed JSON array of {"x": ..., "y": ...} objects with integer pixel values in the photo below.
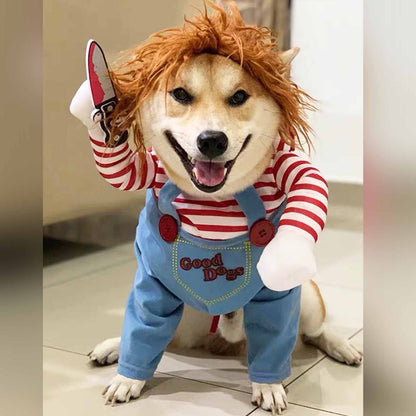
[{"x": 330, "y": 68}]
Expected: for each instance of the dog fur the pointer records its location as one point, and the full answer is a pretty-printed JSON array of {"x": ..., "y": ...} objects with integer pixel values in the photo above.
[{"x": 211, "y": 79}]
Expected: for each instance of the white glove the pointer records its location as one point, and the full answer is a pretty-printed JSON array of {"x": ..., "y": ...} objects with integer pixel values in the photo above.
[
  {"x": 82, "y": 107},
  {"x": 287, "y": 261}
]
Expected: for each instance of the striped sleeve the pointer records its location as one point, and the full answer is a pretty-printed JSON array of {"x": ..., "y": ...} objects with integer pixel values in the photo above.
[
  {"x": 120, "y": 166},
  {"x": 306, "y": 191}
]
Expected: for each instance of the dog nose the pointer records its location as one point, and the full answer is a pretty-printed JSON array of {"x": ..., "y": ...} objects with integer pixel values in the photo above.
[{"x": 212, "y": 143}]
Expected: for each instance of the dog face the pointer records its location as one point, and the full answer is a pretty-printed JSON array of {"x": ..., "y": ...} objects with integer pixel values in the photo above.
[{"x": 214, "y": 130}]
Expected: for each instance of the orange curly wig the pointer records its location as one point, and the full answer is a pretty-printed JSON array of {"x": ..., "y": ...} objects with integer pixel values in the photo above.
[{"x": 148, "y": 67}]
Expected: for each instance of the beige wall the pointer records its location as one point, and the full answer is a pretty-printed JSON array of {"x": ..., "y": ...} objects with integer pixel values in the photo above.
[{"x": 72, "y": 186}]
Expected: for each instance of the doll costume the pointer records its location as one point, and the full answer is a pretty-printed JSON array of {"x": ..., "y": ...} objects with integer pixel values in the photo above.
[{"x": 216, "y": 277}]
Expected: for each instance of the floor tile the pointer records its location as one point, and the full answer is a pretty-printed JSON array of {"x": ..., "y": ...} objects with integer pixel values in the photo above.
[
  {"x": 229, "y": 372},
  {"x": 331, "y": 386},
  {"x": 295, "y": 410},
  {"x": 359, "y": 340},
  {"x": 57, "y": 251},
  {"x": 72, "y": 387},
  {"x": 339, "y": 256},
  {"x": 345, "y": 217},
  {"x": 82, "y": 312},
  {"x": 344, "y": 309},
  {"x": 80, "y": 266},
  {"x": 127, "y": 249}
]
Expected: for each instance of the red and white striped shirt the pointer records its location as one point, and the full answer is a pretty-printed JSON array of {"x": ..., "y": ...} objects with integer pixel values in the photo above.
[{"x": 287, "y": 175}]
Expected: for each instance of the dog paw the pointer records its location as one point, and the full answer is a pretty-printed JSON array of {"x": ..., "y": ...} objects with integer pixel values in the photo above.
[
  {"x": 346, "y": 352},
  {"x": 269, "y": 397},
  {"x": 339, "y": 348},
  {"x": 106, "y": 352},
  {"x": 122, "y": 389}
]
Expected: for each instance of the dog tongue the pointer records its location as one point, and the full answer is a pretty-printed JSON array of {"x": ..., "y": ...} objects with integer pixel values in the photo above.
[{"x": 209, "y": 173}]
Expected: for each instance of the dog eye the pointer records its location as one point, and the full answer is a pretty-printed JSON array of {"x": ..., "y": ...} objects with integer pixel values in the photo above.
[
  {"x": 181, "y": 95},
  {"x": 238, "y": 98}
]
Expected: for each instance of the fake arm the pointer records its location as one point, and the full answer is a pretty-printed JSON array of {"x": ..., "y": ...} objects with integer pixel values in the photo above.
[
  {"x": 288, "y": 260},
  {"x": 306, "y": 191},
  {"x": 119, "y": 166}
]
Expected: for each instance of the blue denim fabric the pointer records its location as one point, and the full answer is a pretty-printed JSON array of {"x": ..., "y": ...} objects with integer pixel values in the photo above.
[{"x": 216, "y": 277}]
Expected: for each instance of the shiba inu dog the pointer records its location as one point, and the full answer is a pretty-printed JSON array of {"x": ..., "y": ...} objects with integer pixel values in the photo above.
[{"x": 232, "y": 212}]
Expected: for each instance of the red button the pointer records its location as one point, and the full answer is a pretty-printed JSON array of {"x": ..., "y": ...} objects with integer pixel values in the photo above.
[
  {"x": 262, "y": 232},
  {"x": 168, "y": 228}
]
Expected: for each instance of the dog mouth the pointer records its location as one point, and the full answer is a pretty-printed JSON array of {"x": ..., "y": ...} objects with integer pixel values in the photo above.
[{"x": 207, "y": 175}]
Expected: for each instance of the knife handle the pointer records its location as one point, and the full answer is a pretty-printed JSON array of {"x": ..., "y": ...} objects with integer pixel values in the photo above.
[{"x": 103, "y": 110}]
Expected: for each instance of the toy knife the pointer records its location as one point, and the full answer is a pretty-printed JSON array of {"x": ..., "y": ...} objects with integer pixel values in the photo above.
[{"x": 102, "y": 90}]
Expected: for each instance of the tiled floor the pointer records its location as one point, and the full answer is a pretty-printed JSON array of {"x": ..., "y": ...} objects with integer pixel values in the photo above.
[{"x": 83, "y": 304}]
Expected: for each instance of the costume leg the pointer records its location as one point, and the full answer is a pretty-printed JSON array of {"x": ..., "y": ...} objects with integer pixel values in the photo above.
[
  {"x": 271, "y": 322},
  {"x": 151, "y": 317}
]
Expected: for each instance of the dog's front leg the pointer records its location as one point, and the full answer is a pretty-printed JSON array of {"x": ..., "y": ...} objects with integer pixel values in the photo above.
[
  {"x": 269, "y": 397},
  {"x": 122, "y": 389}
]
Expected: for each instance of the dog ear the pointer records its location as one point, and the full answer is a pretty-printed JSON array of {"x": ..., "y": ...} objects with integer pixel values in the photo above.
[
  {"x": 289, "y": 55},
  {"x": 287, "y": 58}
]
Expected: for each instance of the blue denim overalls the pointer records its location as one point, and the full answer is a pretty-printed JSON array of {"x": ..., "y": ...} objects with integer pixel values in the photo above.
[{"x": 216, "y": 277}]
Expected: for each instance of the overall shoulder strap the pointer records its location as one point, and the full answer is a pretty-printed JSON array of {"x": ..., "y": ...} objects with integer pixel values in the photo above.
[
  {"x": 167, "y": 195},
  {"x": 251, "y": 204}
]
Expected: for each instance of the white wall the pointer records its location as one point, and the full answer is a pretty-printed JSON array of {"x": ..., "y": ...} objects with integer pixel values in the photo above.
[
  {"x": 330, "y": 68},
  {"x": 71, "y": 183}
]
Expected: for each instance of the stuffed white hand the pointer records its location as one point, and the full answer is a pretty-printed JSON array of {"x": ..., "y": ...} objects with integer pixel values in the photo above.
[
  {"x": 287, "y": 261},
  {"x": 82, "y": 107}
]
